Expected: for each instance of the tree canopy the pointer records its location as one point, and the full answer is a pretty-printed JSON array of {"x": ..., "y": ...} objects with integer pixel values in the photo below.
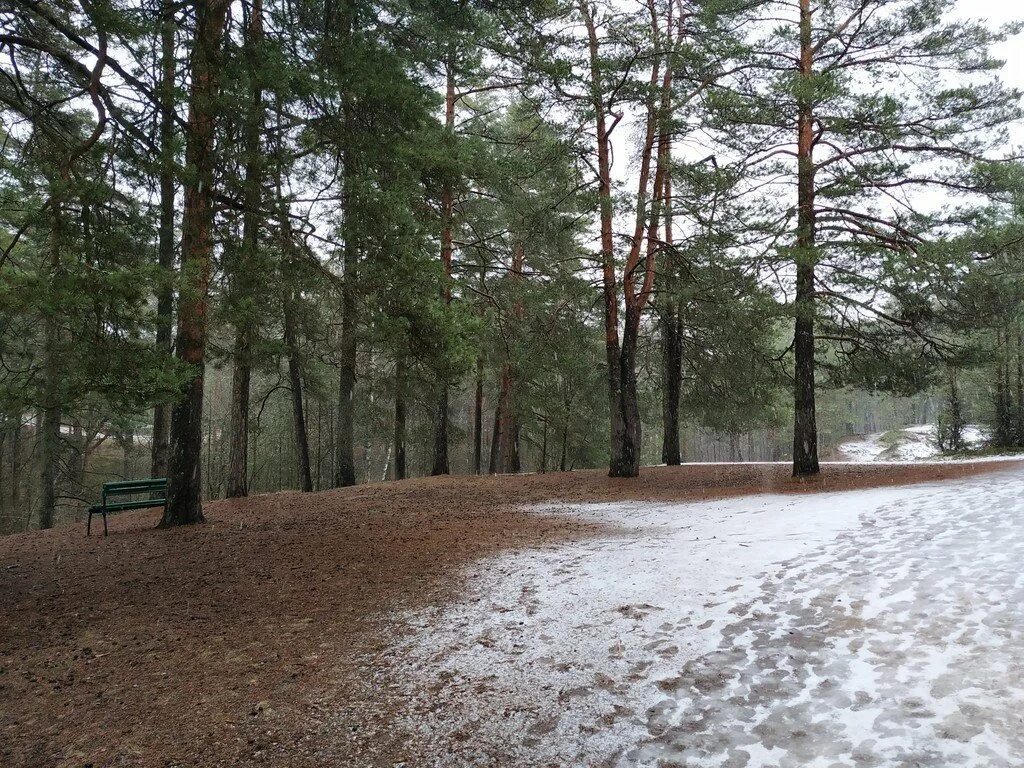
[{"x": 274, "y": 244}]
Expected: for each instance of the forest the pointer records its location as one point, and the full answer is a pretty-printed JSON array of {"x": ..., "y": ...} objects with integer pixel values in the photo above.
[{"x": 304, "y": 244}]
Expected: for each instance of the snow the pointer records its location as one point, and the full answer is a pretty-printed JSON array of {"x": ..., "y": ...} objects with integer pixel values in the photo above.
[
  {"x": 912, "y": 444},
  {"x": 867, "y": 628}
]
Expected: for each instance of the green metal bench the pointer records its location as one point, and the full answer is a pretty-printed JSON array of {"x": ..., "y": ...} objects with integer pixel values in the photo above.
[{"x": 155, "y": 490}]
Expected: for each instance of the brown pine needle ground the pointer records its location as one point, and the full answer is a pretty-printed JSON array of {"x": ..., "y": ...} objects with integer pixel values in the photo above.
[{"x": 218, "y": 645}]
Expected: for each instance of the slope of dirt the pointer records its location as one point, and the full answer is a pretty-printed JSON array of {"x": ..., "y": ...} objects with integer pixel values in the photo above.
[{"x": 215, "y": 645}]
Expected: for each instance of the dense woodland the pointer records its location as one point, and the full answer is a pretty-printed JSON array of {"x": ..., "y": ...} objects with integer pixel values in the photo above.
[{"x": 305, "y": 244}]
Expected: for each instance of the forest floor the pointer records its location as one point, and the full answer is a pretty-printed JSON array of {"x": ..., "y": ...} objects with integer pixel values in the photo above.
[{"x": 720, "y": 615}]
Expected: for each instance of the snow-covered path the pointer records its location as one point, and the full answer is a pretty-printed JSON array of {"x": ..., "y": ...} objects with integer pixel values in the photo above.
[
  {"x": 901, "y": 644},
  {"x": 872, "y": 628}
]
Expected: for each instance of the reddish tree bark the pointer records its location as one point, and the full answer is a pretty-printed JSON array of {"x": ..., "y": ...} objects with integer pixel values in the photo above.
[
  {"x": 441, "y": 465},
  {"x": 184, "y": 504},
  {"x": 638, "y": 270}
]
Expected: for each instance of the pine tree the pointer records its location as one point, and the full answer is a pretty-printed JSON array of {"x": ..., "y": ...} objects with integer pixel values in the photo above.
[
  {"x": 184, "y": 502},
  {"x": 863, "y": 105},
  {"x": 75, "y": 259}
]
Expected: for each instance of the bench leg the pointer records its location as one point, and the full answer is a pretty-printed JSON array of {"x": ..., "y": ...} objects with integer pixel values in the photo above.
[
  {"x": 104, "y": 522},
  {"x": 88, "y": 526}
]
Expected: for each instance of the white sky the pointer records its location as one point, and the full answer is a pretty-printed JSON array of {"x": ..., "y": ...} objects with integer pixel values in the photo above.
[
  {"x": 997, "y": 12},
  {"x": 1012, "y": 51}
]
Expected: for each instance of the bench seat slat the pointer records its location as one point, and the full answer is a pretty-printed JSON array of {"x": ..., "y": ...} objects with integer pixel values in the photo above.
[
  {"x": 135, "y": 492},
  {"x": 119, "y": 486},
  {"x": 134, "y": 504},
  {"x": 129, "y": 485}
]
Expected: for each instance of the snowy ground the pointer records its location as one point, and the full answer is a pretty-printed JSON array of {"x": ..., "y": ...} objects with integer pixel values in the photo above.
[
  {"x": 916, "y": 443},
  {"x": 867, "y": 628}
]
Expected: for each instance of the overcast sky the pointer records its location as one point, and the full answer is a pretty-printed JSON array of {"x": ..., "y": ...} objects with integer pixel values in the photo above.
[{"x": 999, "y": 12}]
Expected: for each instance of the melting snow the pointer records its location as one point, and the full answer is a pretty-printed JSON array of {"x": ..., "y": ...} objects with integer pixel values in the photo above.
[
  {"x": 916, "y": 443},
  {"x": 867, "y": 628}
]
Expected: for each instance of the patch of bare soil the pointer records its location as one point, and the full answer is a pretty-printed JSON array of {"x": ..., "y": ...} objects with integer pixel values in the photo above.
[{"x": 218, "y": 644}]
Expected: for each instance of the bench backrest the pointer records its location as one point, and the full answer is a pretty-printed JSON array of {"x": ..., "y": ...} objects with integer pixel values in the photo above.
[{"x": 154, "y": 486}]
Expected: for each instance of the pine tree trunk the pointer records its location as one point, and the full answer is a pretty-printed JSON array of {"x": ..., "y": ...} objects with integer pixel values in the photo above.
[
  {"x": 805, "y": 430},
  {"x": 244, "y": 277},
  {"x": 3, "y": 468},
  {"x": 441, "y": 465},
  {"x": 563, "y": 457},
  {"x": 367, "y": 438},
  {"x": 208, "y": 452},
  {"x": 478, "y": 417},
  {"x": 671, "y": 335},
  {"x": 622, "y": 454},
  {"x": 1019, "y": 441},
  {"x": 672, "y": 371},
  {"x": 400, "y": 417},
  {"x": 49, "y": 434},
  {"x": 626, "y": 431},
  {"x": 345, "y": 462},
  {"x": 505, "y": 453},
  {"x": 184, "y": 504},
  {"x": 331, "y": 451},
  {"x": 298, "y": 413},
  {"x": 504, "y": 442},
  {"x": 625, "y": 404},
  {"x": 626, "y": 434},
  {"x": 165, "y": 246},
  {"x": 516, "y": 462},
  {"x": 16, "y": 463},
  {"x": 338, "y": 22},
  {"x": 544, "y": 449},
  {"x": 237, "y": 483},
  {"x": 805, "y": 433},
  {"x": 1004, "y": 432},
  {"x": 625, "y": 427},
  {"x": 441, "y": 420},
  {"x": 49, "y": 457},
  {"x": 280, "y": 462},
  {"x": 319, "y": 444},
  {"x": 299, "y": 426},
  {"x": 492, "y": 464}
]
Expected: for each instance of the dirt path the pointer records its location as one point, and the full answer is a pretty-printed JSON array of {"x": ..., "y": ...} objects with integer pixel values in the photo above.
[{"x": 245, "y": 641}]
